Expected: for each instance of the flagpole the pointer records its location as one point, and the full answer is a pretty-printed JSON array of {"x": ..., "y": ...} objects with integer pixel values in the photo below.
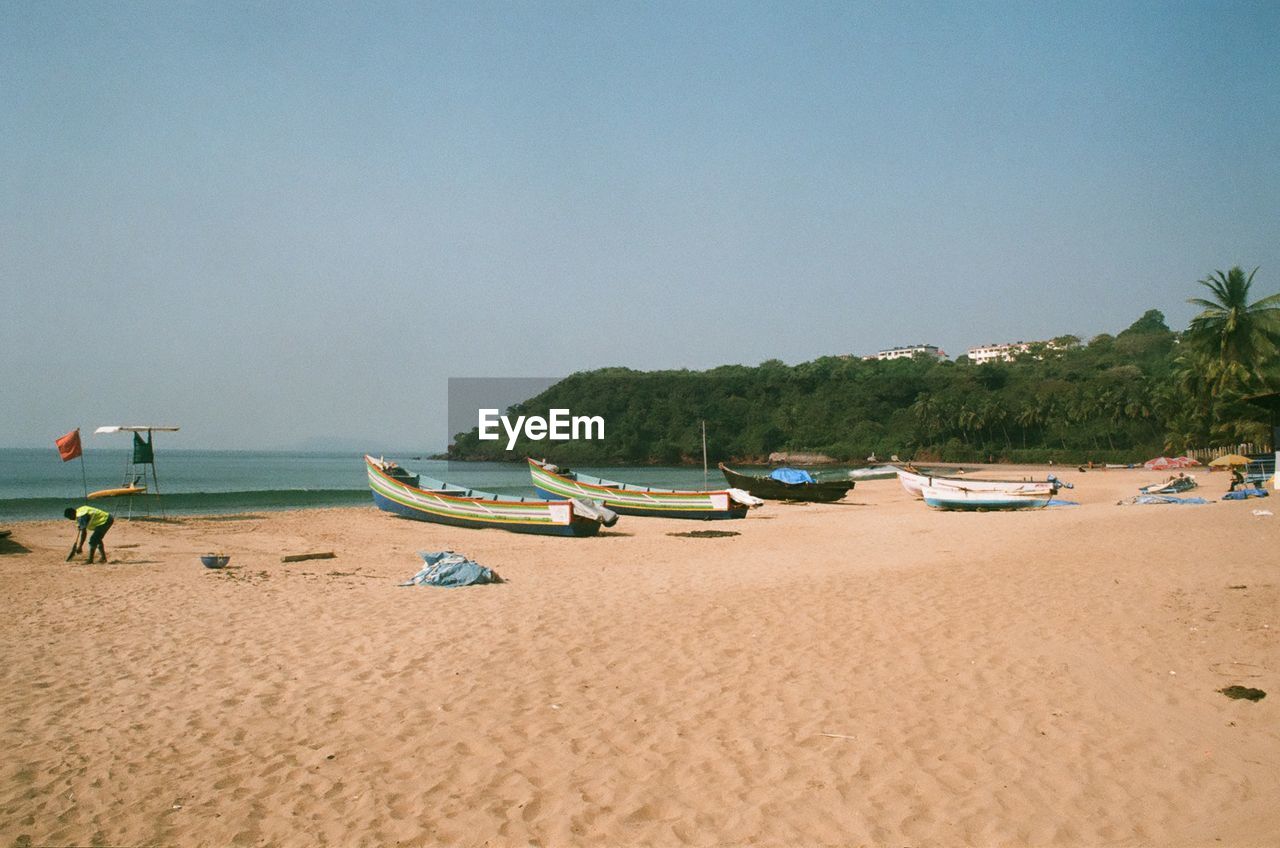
[
  {"x": 66, "y": 445},
  {"x": 704, "y": 455}
]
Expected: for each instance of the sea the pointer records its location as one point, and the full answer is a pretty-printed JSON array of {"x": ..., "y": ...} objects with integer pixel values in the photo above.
[{"x": 36, "y": 484}]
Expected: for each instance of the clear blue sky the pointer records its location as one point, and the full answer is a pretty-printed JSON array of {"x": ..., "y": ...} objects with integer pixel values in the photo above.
[{"x": 280, "y": 223}]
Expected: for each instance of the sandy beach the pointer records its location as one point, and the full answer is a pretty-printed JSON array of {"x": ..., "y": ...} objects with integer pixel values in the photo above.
[{"x": 864, "y": 673}]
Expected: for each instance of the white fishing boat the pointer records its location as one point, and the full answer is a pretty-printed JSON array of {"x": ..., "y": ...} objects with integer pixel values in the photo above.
[
  {"x": 968, "y": 500},
  {"x": 915, "y": 482}
]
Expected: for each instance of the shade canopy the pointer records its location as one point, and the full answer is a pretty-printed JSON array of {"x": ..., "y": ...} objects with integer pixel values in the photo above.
[
  {"x": 137, "y": 428},
  {"x": 1164, "y": 463},
  {"x": 1229, "y": 459}
]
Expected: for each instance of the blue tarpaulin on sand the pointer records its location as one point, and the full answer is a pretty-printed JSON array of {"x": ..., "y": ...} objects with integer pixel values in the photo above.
[
  {"x": 791, "y": 475},
  {"x": 445, "y": 568},
  {"x": 1164, "y": 499},
  {"x": 1056, "y": 502},
  {"x": 1242, "y": 494}
]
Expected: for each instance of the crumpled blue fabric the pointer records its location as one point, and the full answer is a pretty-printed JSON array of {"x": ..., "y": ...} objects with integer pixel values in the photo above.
[
  {"x": 791, "y": 475},
  {"x": 448, "y": 569},
  {"x": 1241, "y": 494},
  {"x": 1164, "y": 499}
]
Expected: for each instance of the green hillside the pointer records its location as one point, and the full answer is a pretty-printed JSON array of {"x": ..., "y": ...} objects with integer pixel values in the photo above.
[{"x": 1144, "y": 391}]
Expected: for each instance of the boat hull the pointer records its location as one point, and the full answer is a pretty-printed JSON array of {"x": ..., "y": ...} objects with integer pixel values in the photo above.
[
  {"x": 776, "y": 490},
  {"x": 638, "y": 501},
  {"x": 458, "y": 510},
  {"x": 915, "y": 484},
  {"x": 651, "y": 512},
  {"x": 956, "y": 501},
  {"x": 873, "y": 472},
  {"x": 579, "y": 528}
]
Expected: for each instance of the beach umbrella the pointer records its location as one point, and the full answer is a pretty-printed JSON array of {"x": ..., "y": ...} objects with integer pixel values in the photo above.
[
  {"x": 1164, "y": 463},
  {"x": 1230, "y": 459}
]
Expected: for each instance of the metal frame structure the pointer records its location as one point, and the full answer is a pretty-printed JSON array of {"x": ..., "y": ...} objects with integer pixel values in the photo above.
[{"x": 149, "y": 429}]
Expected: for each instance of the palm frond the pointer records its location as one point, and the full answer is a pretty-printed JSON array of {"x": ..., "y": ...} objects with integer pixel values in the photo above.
[
  {"x": 1207, "y": 305},
  {"x": 1271, "y": 301}
]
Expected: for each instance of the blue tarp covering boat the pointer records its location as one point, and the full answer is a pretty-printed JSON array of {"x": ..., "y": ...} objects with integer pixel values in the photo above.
[
  {"x": 792, "y": 485},
  {"x": 791, "y": 475}
]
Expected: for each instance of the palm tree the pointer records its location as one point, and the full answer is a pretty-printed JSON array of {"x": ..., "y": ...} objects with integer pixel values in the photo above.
[
  {"x": 1241, "y": 335},
  {"x": 925, "y": 409},
  {"x": 1028, "y": 416},
  {"x": 996, "y": 415},
  {"x": 967, "y": 418}
]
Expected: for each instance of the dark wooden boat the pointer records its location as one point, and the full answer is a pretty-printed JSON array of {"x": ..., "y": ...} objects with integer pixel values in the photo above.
[{"x": 822, "y": 491}]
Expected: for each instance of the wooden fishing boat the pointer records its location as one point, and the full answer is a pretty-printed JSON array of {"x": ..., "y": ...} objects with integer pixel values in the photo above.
[
  {"x": 915, "y": 482},
  {"x": 123, "y": 491},
  {"x": 969, "y": 500},
  {"x": 397, "y": 491},
  {"x": 627, "y": 499},
  {"x": 770, "y": 489}
]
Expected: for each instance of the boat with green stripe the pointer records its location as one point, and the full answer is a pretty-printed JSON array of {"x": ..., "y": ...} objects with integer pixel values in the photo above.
[
  {"x": 408, "y": 495},
  {"x": 627, "y": 499}
]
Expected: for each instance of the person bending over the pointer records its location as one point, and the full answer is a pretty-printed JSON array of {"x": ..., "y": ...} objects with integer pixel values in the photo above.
[{"x": 93, "y": 521}]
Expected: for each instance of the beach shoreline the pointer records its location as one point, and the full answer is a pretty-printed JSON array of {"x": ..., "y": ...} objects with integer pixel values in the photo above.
[
  {"x": 865, "y": 672},
  {"x": 178, "y": 504}
]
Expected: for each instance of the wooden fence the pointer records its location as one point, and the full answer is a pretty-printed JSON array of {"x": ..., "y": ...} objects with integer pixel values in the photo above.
[{"x": 1207, "y": 455}]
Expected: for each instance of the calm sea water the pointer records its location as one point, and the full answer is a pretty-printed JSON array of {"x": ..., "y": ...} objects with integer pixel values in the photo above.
[{"x": 36, "y": 484}]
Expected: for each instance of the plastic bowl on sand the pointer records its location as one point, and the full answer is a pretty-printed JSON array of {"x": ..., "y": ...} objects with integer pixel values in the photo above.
[{"x": 214, "y": 560}]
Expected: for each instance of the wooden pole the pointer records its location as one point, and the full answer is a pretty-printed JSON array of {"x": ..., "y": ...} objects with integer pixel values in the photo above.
[
  {"x": 704, "y": 455},
  {"x": 151, "y": 442}
]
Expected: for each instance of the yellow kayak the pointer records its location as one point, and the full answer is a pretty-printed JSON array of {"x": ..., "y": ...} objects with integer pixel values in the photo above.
[{"x": 115, "y": 493}]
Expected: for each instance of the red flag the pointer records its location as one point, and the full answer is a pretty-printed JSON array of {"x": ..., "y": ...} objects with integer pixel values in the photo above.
[{"x": 69, "y": 445}]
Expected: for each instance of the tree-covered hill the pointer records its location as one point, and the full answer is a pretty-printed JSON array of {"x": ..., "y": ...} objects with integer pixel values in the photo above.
[{"x": 1144, "y": 391}]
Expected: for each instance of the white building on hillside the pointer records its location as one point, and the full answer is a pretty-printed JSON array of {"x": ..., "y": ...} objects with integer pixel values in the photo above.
[
  {"x": 1005, "y": 352},
  {"x": 992, "y": 352},
  {"x": 909, "y": 351}
]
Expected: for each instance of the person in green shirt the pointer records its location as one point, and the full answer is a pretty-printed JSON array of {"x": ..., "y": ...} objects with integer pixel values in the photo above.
[{"x": 89, "y": 519}]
